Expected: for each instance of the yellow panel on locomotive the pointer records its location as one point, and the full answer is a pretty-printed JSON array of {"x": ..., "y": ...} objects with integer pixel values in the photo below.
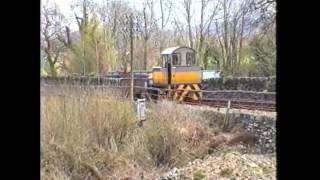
[{"x": 178, "y": 73}]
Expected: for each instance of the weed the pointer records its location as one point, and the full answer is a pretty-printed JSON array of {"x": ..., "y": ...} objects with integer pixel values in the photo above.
[
  {"x": 199, "y": 175},
  {"x": 226, "y": 172}
]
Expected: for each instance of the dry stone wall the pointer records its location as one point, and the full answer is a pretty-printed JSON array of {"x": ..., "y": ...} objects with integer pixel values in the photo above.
[
  {"x": 241, "y": 95},
  {"x": 262, "y": 127},
  {"x": 241, "y": 83}
]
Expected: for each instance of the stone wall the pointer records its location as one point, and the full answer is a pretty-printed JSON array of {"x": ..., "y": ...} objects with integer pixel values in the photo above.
[
  {"x": 79, "y": 80},
  {"x": 241, "y": 95},
  {"x": 262, "y": 127},
  {"x": 108, "y": 81},
  {"x": 241, "y": 83}
]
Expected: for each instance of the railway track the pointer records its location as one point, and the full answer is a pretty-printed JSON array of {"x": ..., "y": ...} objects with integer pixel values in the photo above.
[
  {"x": 243, "y": 104},
  {"x": 236, "y": 102}
]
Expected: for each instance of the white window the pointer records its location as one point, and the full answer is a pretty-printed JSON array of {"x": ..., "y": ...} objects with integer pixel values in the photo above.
[
  {"x": 176, "y": 59},
  {"x": 164, "y": 61},
  {"x": 190, "y": 58}
]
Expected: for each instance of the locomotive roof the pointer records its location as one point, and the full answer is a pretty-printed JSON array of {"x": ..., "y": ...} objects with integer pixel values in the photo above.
[{"x": 173, "y": 49}]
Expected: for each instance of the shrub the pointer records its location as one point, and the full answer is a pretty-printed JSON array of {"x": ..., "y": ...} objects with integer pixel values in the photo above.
[
  {"x": 89, "y": 133},
  {"x": 199, "y": 175},
  {"x": 226, "y": 172}
]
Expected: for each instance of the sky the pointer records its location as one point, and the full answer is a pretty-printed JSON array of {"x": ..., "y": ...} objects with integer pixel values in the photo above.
[{"x": 64, "y": 6}]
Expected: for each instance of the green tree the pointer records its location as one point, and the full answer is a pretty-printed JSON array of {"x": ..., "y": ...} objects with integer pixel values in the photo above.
[
  {"x": 264, "y": 54},
  {"x": 100, "y": 52}
]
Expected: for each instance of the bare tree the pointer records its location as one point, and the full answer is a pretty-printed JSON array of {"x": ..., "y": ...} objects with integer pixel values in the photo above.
[
  {"x": 204, "y": 29},
  {"x": 82, "y": 25},
  {"x": 50, "y": 29},
  {"x": 115, "y": 15},
  {"x": 187, "y": 7},
  {"x": 149, "y": 23},
  {"x": 231, "y": 32},
  {"x": 203, "y": 5},
  {"x": 266, "y": 8},
  {"x": 165, "y": 6},
  {"x": 146, "y": 37},
  {"x": 179, "y": 33}
]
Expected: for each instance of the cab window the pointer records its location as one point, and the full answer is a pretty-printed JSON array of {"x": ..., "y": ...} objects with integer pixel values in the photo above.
[
  {"x": 164, "y": 61},
  {"x": 190, "y": 59},
  {"x": 176, "y": 59}
]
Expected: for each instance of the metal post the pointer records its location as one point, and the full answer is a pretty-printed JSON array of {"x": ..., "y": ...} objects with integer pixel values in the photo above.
[
  {"x": 229, "y": 104},
  {"x": 226, "y": 119},
  {"x": 141, "y": 108}
]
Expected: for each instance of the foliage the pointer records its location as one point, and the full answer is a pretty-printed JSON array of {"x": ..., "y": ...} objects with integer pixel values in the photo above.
[
  {"x": 236, "y": 38},
  {"x": 264, "y": 55},
  {"x": 98, "y": 54}
]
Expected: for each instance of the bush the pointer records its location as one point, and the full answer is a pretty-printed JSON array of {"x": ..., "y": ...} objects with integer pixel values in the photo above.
[
  {"x": 199, "y": 175},
  {"x": 94, "y": 133},
  {"x": 226, "y": 172},
  {"x": 162, "y": 143}
]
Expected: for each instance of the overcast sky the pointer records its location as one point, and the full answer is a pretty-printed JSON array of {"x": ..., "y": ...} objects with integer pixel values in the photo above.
[{"x": 64, "y": 6}]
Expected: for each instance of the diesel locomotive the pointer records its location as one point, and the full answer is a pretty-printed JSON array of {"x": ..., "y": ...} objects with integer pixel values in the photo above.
[{"x": 178, "y": 76}]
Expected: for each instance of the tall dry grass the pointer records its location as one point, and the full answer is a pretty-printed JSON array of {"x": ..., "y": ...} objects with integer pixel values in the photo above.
[{"x": 94, "y": 134}]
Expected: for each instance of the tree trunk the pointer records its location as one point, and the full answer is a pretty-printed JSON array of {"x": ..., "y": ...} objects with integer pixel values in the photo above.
[
  {"x": 114, "y": 28},
  {"x": 145, "y": 62},
  {"x": 131, "y": 58},
  {"x": 201, "y": 39},
  {"x": 84, "y": 29},
  {"x": 205, "y": 59},
  {"x": 225, "y": 32},
  {"x": 145, "y": 40},
  {"x": 52, "y": 69},
  {"x": 233, "y": 45},
  {"x": 187, "y": 4},
  {"x": 97, "y": 58},
  {"x": 190, "y": 34},
  {"x": 221, "y": 47},
  {"x": 201, "y": 25},
  {"x": 162, "y": 25},
  {"x": 240, "y": 43}
]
